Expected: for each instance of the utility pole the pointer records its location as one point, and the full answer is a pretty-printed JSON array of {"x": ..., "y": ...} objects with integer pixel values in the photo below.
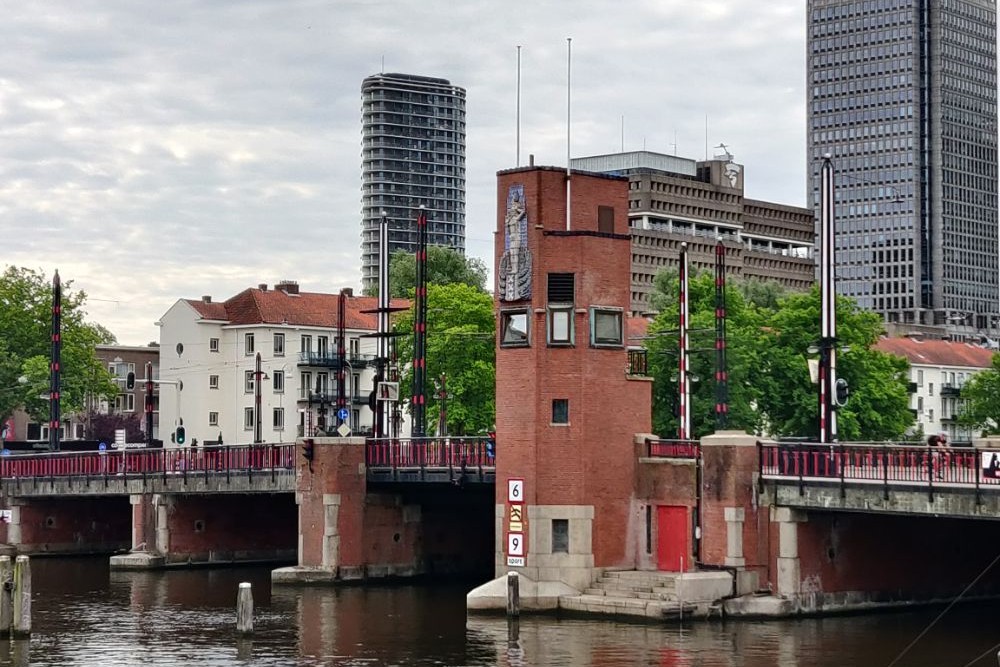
[
  {"x": 149, "y": 404},
  {"x": 55, "y": 363},
  {"x": 256, "y": 402}
]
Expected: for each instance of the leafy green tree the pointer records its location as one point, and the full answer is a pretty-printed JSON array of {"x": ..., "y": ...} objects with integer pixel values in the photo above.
[
  {"x": 981, "y": 400},
  {"x": 878, "y": 406},
  {"x": 444, "y": 267},
  {"x": 769, "y": 335},
  {"x": 743, "y": 326},
  {"x": 460, "y": 345},
  {"x": 26, "y": 332}
]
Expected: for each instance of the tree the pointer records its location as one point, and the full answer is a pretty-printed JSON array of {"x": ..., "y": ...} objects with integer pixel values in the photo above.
[
  {"x": 444, "y": 267},
  {"x": 878, "y": 407},
  {"x": 26, "y": 332},
  {"x": 768, "y": 339},
  {"x": 981, "y": 400},
  {"x": 460, "y": 345}
]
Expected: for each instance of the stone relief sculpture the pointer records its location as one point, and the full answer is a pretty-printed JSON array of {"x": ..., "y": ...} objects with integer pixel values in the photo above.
[{"x": 514, "y": 274}]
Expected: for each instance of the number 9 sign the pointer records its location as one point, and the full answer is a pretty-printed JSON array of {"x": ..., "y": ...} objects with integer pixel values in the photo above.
[
  {"x": 515, "y": 490},
  {"x": 515, "y": 544}
]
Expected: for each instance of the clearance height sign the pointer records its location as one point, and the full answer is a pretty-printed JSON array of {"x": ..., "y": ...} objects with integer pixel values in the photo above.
[{"x": 515, "y": 523}]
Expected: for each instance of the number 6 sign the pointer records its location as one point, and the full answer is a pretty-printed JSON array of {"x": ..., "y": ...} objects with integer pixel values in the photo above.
[{"x": 515, "y": 490}]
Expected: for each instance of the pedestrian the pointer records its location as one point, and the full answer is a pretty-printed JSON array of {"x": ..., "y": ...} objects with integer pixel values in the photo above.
[{"x": 935, "y": 441}]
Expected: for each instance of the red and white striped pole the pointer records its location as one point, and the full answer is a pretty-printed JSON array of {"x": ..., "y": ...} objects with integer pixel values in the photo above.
[
  {"x": 683, "y": 378},
  {"x": 828, "y": 306}
]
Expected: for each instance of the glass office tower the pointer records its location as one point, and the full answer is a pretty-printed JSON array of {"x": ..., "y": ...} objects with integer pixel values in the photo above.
[
  {"x": 902, "y": 95},
  {"x": 413, "y": 154}
]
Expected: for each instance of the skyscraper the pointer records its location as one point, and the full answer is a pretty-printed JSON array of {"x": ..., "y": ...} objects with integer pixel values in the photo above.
[
  {"x": 413, "y": 154},
  {"x": 902, "y": 94}
]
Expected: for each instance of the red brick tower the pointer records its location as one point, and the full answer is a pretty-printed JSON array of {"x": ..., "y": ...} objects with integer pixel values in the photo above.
[{"x": 567, "y": 412}]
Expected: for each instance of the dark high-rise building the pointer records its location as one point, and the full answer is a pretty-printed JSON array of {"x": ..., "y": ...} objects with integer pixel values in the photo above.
[
  {"x": 902, "y": 94},
  {"x": 413, "y": 154}
]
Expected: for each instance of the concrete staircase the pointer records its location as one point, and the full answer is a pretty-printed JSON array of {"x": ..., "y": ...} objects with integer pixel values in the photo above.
[{"x": 650, "y": 595}]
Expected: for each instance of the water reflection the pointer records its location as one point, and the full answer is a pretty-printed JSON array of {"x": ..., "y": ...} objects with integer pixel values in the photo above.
[{"x": 86, "y": 615}]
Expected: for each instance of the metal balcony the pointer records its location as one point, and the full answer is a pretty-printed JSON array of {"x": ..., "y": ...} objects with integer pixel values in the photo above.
[{"x": 330, "y": 360}]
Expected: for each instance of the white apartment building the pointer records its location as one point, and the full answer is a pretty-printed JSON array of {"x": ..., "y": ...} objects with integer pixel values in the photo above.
[
  {"x": 208, "y": 372},
  {"x": 938, "y": 371}
]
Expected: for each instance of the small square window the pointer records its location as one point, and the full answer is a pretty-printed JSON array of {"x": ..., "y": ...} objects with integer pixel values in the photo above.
[
  {"x": 560, "y": 536},
  {"x": 560, "y": 329},
  {"x": 514, "y": 328},
  {"x": 213, "y": 344},
  {"x": 560, "y": 410},
  {"x": 606, "y": 327},
  {"x": 213, "y": 381},
  {"x": 213, "y": 418}
]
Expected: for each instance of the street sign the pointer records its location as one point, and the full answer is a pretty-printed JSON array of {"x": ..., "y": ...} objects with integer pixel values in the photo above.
[
  {"x": 516, "y": 523},
  {"x": 343, "y": 414},
  {"x": 515, "y": 490},
  {"x": 343, "y": 430},
  {"x": 515, "y": 561}
]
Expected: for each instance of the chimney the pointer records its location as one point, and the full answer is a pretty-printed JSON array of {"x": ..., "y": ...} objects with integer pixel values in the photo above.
[
  {"x": 207, "y": 298},
  {"x": 262, "y": 287},
  {"x": 348, "y": 292},
  {"x": 289, "y": 287}
]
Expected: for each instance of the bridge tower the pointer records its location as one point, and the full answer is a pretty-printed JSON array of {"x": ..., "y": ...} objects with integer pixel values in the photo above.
[{"x": 567, "y": 411}]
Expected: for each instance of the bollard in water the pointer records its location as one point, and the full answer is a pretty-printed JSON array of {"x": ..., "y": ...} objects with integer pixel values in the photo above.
[
  {"x": 513, "y": 595},
  {"x": 6, "y": 595},
  {"x": 22, "y": 597},
  {"x": 244, "y": 609}
]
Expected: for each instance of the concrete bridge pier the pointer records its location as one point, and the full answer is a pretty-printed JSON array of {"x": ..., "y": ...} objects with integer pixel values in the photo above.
[{"x": 144, "y": 554}]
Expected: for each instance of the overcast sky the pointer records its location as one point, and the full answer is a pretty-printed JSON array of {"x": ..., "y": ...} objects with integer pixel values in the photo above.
[{"x": 153, "y": 151}]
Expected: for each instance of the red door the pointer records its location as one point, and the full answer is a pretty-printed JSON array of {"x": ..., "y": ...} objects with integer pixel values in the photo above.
[{"x": 671, "y": 538}]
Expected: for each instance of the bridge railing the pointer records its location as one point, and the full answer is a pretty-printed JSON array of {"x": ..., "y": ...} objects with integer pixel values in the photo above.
[
  {"x": 888, "y": 464},
  {"x": 457, "y": 452},
  {"x": 673, "y": 448},
  {"x": 167, "y": 460}
]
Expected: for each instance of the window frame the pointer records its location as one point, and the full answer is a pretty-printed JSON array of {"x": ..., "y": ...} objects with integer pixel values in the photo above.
[
  {"x": 213, "y": 381},
  {"x": 278, "y": 381},
  {"x": 213, "y": 344},
  {"x": 595, "y": 311},
  {"x": 213, "y": 418},
  {"x": 278, "y": 418},
  {"x": 248, "y": 382},
  {"x": 551, "y": 312},
  {"x": 506, "y": 316},
  {"x": 249, "y": 423},
  {"x": 279, "y": 344},
  {"x": 555, "y": 403},
  {"x": 248, "y": 344}
]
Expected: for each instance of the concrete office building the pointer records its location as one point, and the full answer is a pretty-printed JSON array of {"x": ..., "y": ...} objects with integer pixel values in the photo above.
[
  {"x": 902, "y": 95},
  {"x": 413, "y": 154},
  {"x": 675, "y": 200}
]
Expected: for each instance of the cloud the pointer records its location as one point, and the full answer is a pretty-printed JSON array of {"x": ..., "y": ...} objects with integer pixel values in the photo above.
[{"x": 156, "y": 151}]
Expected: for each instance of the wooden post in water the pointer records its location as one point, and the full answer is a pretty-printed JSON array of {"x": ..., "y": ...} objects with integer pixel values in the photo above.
[
  {"x": 513, "y": 595},
  {"x": 6, "y": 598},
  {"x": 22, "y": 597},
  {"x": 244, "y": 609}
]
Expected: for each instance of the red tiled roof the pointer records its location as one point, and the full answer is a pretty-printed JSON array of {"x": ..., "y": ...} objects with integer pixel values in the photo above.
[
  {"x": 935, "y": 352},
  {"x": 256, "y": 306}
]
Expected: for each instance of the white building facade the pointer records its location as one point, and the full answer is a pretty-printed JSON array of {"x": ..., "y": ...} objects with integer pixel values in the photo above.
[
  {"x": 209, "y": 374},
  {"x": 938, "y": 371}
]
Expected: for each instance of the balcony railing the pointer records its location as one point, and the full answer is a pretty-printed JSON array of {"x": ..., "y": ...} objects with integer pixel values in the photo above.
[
  {"x": 637, "y": 363},
  {"x": 948, "y": 389},
  {"x": 331, "y": 360}
]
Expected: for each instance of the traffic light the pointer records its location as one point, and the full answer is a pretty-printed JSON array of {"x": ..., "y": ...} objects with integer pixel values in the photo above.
[
  {"x": 130, "y": 381},
  {"x": 842, "y": 392},
  {"x": 308, "y": 450},
  {"x": 180, "y": 435}
]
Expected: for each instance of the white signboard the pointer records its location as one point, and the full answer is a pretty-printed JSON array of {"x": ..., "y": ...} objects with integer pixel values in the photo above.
[
  {"x": 515, "y": 544},
  {"x": 515, "y": 490},
  {"x": 515, "y": 561}
]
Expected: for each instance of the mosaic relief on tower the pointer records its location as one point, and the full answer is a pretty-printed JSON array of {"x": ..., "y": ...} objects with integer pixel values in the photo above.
[{"x": 514, "y": 273}]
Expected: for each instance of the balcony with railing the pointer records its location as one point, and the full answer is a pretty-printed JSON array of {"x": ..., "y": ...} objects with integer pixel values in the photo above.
[
  {"x": 949, "y": 389},
  {"x": 331, "y": 360}
]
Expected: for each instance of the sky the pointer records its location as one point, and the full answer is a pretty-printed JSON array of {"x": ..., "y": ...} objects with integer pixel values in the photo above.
[{"x": 154, "y": 151}]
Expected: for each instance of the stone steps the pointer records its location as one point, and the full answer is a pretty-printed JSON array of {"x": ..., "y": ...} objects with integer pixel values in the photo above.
[
  {"x": 606, "y": 605},
  {"x": 645, "y": 594}
]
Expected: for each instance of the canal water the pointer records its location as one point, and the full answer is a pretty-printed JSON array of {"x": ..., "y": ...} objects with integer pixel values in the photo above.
[{"x": 86, "y": 615}]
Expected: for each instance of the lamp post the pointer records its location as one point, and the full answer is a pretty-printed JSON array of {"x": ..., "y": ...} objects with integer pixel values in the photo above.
[{"x": 828, "y": 307}]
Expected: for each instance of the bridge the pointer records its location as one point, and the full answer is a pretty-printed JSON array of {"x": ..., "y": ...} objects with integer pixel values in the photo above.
[{"x": 882, "y": 478}]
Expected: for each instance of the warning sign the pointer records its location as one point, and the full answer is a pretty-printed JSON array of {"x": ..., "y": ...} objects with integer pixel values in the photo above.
[{"x": 516, "y": 522}]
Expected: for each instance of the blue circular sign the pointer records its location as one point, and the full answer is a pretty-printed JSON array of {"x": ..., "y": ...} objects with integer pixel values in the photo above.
[
  {"x": 103, "y": 446},
  {"x": 4, "y": 452},
  {"x": 343, "y": 414}
]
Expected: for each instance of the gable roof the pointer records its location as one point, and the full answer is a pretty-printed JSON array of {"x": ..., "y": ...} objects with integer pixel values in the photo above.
[
  {"x": 257, "y": 306},
  {"x": 935, "y": 352}
]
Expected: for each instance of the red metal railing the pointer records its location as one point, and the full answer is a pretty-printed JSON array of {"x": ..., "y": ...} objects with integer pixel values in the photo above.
[
  {"x": 227, "y": 458},
  {"x": 674, "y": 449},
  {"x": 888, "y": 464},
  {"x": 474, "y": 452}
]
